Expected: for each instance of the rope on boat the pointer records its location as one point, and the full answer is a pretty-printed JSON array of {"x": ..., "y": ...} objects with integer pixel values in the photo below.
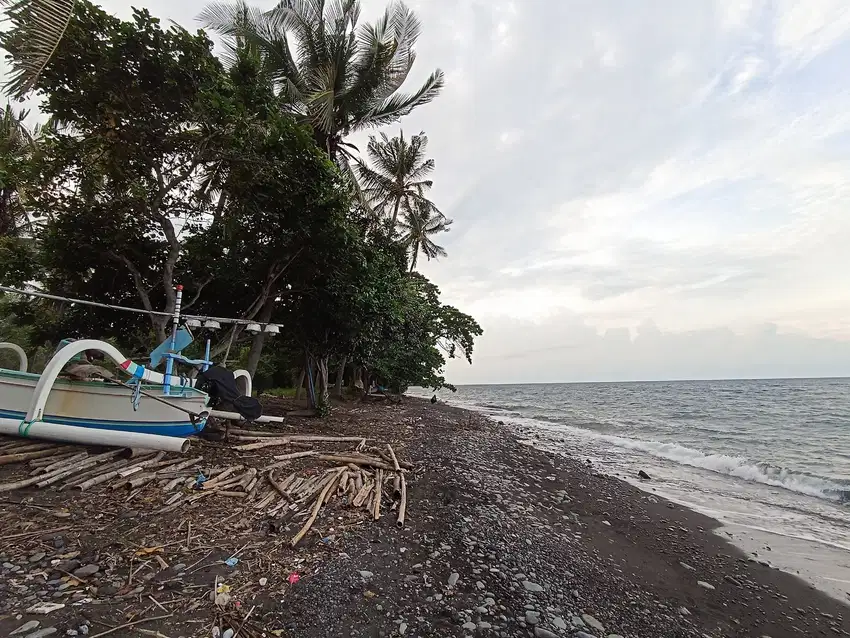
[
  {"x": 142, "y": 311},
  {"x": 137, "y": 389}
]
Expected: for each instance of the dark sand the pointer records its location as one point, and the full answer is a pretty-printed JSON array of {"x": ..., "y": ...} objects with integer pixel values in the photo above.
[{"x": 501, "y": 540}]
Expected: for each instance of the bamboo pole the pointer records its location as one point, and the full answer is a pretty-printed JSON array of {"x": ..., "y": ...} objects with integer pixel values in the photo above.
[
  {"x": 7, "y": 459},
  {"x": 402, "y": 508},
  {"x": 378, "y": 483},
  {"x": 50, "y": 460},
  {"x": 363, "y": 494},
  {"x": 79, "y": 478},
  {"x": 261, "y": 444},
  {"x": 316, "y": 507},
  {"x": 106, "y": 476},
  {"x": 278, "y": 486},
  {"x": 339, "y": 458},
  {"x": 223, "y": 475},
  {"x": 138, "y": 467},
  {"x": 295, "y": 455},
  {"x": 316, "y": 437},
  {"x": 59, "y": 464}
]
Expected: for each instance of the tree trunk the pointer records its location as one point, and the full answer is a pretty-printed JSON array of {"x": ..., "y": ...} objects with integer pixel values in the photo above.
[
  {"x": 340, "y": 377},
  {"x": 260, "y": 338},
  {"x": 322, "y": 395},
  {"x": 299, "y": 386},
  {"x": 395, "y": 212}
]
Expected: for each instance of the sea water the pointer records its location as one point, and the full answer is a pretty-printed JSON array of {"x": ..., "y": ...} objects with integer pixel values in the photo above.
[{"x": 770, "y": 459}]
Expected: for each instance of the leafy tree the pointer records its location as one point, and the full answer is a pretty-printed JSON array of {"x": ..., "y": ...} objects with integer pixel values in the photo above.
[
  {"x": 417, "y": 226},
  {"x": 342, "y": 77},
  {"x": 418, "y": 336},
  {"x": 397, "y": 179},
  {"x": 148, "y": 111}
]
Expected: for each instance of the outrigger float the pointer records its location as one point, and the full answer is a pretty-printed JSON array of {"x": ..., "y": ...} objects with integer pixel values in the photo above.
[{"x": 149, "y": 410}]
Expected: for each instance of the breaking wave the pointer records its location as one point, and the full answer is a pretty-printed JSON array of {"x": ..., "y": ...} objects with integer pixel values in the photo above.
[{"x": 738, "y": 467}]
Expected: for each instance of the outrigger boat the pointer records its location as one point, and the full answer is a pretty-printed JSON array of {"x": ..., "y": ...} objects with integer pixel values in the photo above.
[{"x": 150, "y": 409}]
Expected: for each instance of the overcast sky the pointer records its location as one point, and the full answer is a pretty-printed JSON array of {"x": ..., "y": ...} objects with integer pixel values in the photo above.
[{"x": 641, "y": 190}]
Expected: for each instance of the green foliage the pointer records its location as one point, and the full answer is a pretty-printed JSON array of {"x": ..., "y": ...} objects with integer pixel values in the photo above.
[
  {"x": 415, "y": 341},
  {"x": 170, "y": 168}
]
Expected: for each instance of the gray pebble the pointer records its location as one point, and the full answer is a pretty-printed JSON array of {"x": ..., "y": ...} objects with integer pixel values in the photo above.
[
  {"x": 592, "y": 622},
  {"x": 87, "y": 570},
  {"x": 532, "y": 587},
  {"x": 453, "y": 579},
  {"x": 705, "y": 585},
  {"x": 532, "y": 617},
  {"x": 27, "y": 626}
]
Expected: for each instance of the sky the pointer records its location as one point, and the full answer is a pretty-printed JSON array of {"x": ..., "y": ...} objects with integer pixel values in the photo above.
[{"x": 640, "y": 190}]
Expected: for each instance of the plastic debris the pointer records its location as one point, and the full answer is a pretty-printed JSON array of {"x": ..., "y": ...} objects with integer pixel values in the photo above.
[
  {"x": 293, "y": 578},
  {"x": 231, "y": 562}
]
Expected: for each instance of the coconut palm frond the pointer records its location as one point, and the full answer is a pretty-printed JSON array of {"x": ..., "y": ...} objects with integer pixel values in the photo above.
[{"x": 37, "y": 29}]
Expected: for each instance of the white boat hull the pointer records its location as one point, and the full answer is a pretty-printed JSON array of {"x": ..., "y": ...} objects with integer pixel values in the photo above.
[{"x": 94, "y": 404}]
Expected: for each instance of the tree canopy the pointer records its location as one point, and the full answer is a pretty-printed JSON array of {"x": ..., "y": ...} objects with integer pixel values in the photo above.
[{"x": 164, "y": 165}]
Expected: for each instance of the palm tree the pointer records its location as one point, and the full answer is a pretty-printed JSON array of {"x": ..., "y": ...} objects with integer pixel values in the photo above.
[
  {"x": 341, "y": 77},
  {"x": 418, "y": 224},
  {"x": 37, "y": 28},
  {"x": 396, "y": 179},
  {"x": 17, "y": 143}
]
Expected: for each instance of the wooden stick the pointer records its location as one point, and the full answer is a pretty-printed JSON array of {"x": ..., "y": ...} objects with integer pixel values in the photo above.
[
  {"x": 261, "y": 444},
  {"x": 28, "y": 456},
  {"x": 130, "y": 624},
  {"x": 79, "y": 478},
  {"x": 59, "y": 464},
  {"x": 394, "y": 459},
  {"x": 266, "y": 500},
  {"x": 377, "y": 513},
  {"x": 319, "y": 501},
  {"x": 51, "y": 460},
  {"x": 138, "y": 467},
  {"x": 246, "y": 480},
  {"x": 362, "y": 494},
  {"x": 295, "y": 455},
  {"x": 402, "y": 508},
  {"x": 279, "y": 487},
  {"x": 355, "y": 460},
  {"x": 102, "y": 478},
  {"x": 313, "y": 437},
  {"x": 224, "y": 474},
  {"x": 81, "y": 465}
]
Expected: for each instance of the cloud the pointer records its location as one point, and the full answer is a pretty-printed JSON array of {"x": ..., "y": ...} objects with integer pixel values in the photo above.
[{"x": 614, "y": 168}]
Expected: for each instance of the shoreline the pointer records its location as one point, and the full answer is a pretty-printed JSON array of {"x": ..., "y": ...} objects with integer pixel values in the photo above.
[
  {"x": 821, "y": 563},
  {"x": 502, "y": 539}
]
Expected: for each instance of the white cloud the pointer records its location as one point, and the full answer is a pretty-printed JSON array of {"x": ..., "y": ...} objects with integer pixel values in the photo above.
[{"x": 678, "y": 171}]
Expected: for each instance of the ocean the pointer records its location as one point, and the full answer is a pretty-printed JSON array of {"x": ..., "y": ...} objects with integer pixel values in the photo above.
[{"x": 769, "y": 459}]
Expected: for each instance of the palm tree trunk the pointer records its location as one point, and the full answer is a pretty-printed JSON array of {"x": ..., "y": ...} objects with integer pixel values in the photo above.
[
  {"x": 414, "y": 256},
  {"x": 395, "y": 211}
]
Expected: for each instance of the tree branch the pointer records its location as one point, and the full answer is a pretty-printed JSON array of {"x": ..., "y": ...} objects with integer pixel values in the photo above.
[{"x": 198, "y": 292}]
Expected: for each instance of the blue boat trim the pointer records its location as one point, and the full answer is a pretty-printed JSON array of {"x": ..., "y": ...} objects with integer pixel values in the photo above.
[{"x": 163, "y": 428}]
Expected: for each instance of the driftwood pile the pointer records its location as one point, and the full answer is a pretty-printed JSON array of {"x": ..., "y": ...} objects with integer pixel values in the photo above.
[{"x": 362, "y": 478}]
